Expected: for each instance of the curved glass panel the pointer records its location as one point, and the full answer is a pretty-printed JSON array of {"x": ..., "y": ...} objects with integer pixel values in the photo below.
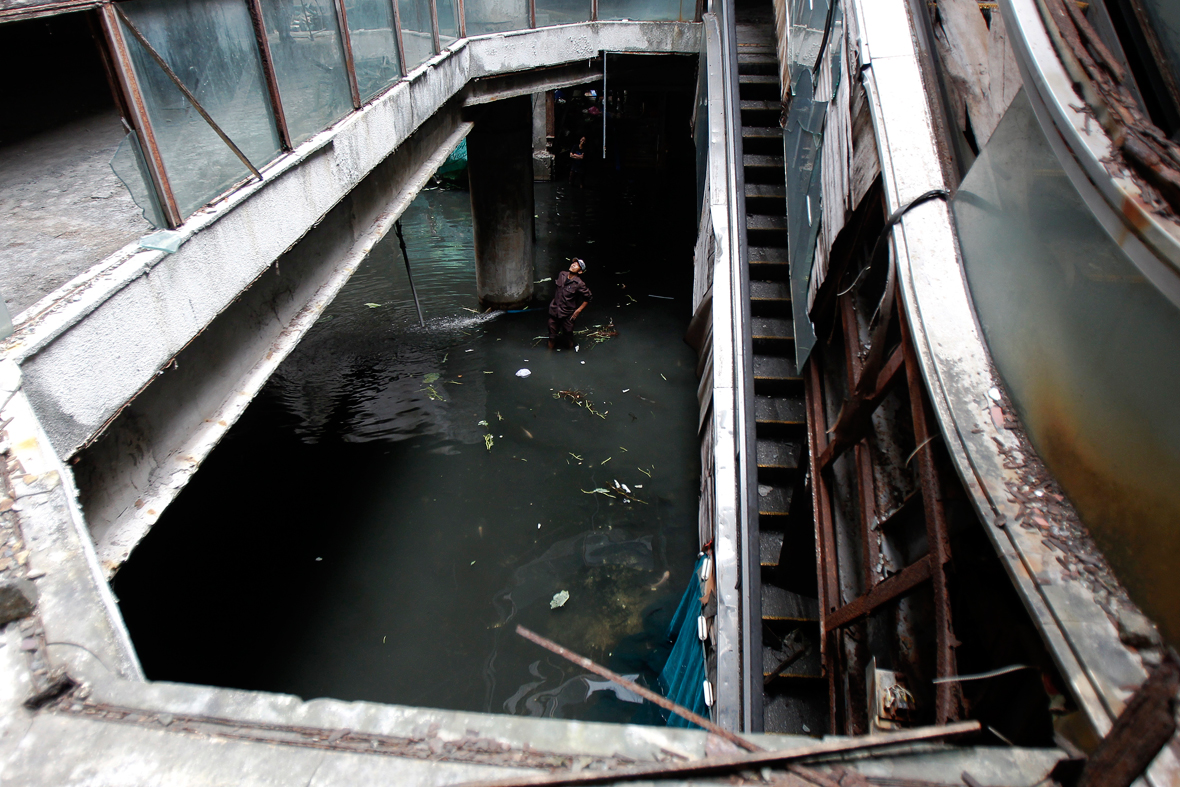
[
  {"x": 309, "y": 64},
  {"x": 496, "y": 16},
  {"x": 1089, "y": 350},
  {"x": 210, "y": 46},
  {"x": 374, "y": 45},
  {"x": 417, "y": 35}
]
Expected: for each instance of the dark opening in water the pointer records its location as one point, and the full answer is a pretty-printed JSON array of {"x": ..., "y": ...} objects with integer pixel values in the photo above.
[{"x": 397, "y": 499}]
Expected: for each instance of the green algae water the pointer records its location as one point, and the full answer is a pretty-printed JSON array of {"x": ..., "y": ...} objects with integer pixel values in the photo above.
[{"x": 397, "y": 499}]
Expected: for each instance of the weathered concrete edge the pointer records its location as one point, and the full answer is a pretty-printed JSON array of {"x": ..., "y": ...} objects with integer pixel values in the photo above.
[
  {"x": 956, "y": 367},
  {"x": 109, "y": 330},
  {"x": 76, "y": 604}
]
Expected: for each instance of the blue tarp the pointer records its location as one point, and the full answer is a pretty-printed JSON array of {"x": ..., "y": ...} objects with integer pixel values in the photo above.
[{"x": 683, "y": 676}]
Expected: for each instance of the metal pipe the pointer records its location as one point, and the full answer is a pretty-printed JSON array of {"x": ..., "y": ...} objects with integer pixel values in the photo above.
[
  {"x": 140, "y": 120},
  {"x": 401, "y": 240},
  {"x": 462, "y": 19},
  {"x": 533, "y": 14},
  {"x": 184, "y": 90},
  {"x": 269, "y": 73},
  {"x": 647, "y": 694}
]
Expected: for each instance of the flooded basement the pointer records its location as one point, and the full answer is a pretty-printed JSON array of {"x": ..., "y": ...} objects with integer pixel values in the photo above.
[{"x": 397, "y": 499}]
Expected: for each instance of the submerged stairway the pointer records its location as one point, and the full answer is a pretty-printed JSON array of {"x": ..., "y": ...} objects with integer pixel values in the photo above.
[{"x": 795, "y": 691}]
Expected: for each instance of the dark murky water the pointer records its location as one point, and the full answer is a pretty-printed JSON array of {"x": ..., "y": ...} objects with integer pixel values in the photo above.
[{"x": 354, "y": 537}]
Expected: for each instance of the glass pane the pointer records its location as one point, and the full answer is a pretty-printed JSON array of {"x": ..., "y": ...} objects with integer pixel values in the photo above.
[
  {"x": 211, "y": 47},
  {"x": 374, "y": 45},
  {"x": 417, "y": 36},
  {"x": 448, "y": 21},
  {"x": 131, "y": 168},
  {"x": 562, "y": 12},
  {"x": 496, "y": 16},
  {"x": 309, "y": 64},
  {"x": 648, "y": 10},
  {"x": 1089, "y": 349}
]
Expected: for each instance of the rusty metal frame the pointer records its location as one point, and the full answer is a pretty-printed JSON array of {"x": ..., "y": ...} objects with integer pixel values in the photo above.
[
  {"x": 401, "y": 44},
  {"x": 462, "y": 18},
  {"x": 269, "y": 73},
  {"x": 593, "y": 10},
  {"x": 435, "y": 38},
  {"x": 188, "y": 94},
  {"x": 346, "y": 45},
  {"x": 140, "y": 121},
  {"x": 948, "y": 696},
  {"x": 856, "y": 422},
  {"x": 821, "y": 502},
  {"x": 533, "y": 14}
]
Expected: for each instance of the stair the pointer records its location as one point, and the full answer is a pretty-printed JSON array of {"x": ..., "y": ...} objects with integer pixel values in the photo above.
[{"x": 795, "y": 697}]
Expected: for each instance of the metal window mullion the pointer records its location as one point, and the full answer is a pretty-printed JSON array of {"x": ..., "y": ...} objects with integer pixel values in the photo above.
[
  {"x": 269, "y": 73},
  {"x": 397, "y": 29},
  {"x": 462, "y": 19},
  {"x": 533, "y": 15},
  {"x": 346, "y": 42},
  {"x": 593, "y": 10},
  {"x": 434, "y": 36},
  {"x": 139, "y": 116}
]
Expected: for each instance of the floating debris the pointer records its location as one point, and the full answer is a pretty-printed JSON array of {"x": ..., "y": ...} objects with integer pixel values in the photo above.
[
  {"x": 625, "y": 493},
  {"x": 579, "y": 398},
  {"x": 481, "y": 423},
  {"x": 599, "y": 491},
  {"x": 430, "y": 377},
  {"x": 599, "y": 333},
  {"x": 487, "y": 440},
  {"x": 559, "y": 599},
  {"x": 498, "y": 416},
  {"x": 374, "y": 305},
  {"x": 522, "y": 373},
  {"x": 575, "y": 456},
  {"x": 433, "y": 394}
]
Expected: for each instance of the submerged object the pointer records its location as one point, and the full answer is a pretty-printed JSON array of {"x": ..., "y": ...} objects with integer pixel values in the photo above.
[{"x": 559, "y": 599}]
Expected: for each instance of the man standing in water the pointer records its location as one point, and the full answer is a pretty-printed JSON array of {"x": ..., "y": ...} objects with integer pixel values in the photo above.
[{"x": 564, "y": 308}]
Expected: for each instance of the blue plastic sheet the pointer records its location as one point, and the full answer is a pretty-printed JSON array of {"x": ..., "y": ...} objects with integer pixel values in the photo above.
[{"x": 683, "y": 676}]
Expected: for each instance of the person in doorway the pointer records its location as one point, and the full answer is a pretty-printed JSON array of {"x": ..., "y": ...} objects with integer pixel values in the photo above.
[
  {"x": 577, "y": 161},
  {"x": 570, "y": 299}
]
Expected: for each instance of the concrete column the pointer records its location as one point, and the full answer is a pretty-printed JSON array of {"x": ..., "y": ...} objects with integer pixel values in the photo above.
[
  {"x": 542, "y": 158},
  {"x": 500, "y": 171}
]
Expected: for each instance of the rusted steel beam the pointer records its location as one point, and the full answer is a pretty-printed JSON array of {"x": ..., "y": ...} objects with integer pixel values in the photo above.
[
  {"x": 825, "y": 558},
  {"x": 948, "y": 696},
  {"x": 902, "y": 582},
  {"x": 397, "y": 30},
  {"x": 865, "y": 490},
  {"x": 855, "y": 417},
  {"x": 269, "y": 73},
  {"x": 139, "y": 115},
  {"x": 46, "y": 9},
  {"x": 1145, "y": 726},
  {"x": 346, "y": 45},
  {"x": 435, "y": 39}
]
